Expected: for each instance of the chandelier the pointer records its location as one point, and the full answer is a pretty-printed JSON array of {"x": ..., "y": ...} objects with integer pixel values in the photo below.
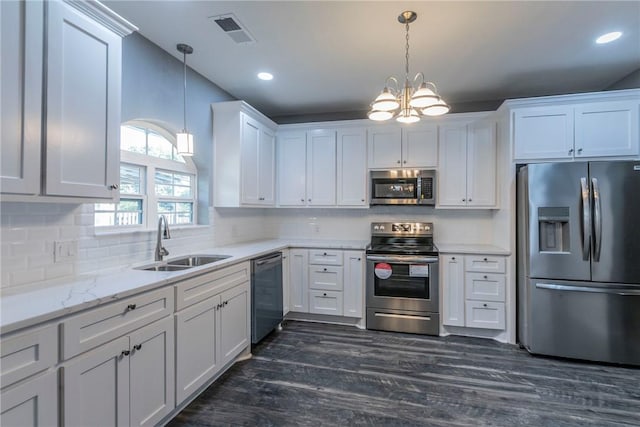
[{"x": 408, "y": 104}]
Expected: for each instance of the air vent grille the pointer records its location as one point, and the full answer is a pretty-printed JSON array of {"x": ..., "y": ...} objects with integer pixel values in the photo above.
[{"x": 233, "y": 28}]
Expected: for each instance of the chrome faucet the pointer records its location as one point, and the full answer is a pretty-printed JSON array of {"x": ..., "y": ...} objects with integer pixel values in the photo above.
[{"x": 160, "y": 250}]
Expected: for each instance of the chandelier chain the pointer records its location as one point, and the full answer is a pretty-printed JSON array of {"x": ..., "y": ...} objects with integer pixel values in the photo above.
[
  {"x": 184, "y": 92},
  {"x": 407, "y": 53}
]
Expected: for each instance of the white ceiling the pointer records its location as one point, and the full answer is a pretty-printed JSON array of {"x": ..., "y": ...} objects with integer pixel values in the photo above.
[{"x": 333, "y": 56}]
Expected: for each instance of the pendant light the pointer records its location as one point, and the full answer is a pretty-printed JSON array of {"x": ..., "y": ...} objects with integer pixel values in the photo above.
[
  {"x": 184, "y": 139},
  {"x": 409, "y": 104}
]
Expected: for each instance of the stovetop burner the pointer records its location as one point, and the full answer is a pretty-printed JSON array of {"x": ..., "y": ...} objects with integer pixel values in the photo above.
[{"x": 402, "y": 238}]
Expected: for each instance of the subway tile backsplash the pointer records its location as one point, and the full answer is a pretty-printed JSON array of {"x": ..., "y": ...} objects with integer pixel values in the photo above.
[{"x": 28, "y": 232}]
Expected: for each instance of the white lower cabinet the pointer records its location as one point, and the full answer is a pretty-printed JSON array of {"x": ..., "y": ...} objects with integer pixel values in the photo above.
[
  {"x": 209, "y": 334},
  {"x": 128, "y": 381},
  {"x": 31, "y": 404},
  {"x": 327, "y": 281},
  {"x": 473, "y": 289}
]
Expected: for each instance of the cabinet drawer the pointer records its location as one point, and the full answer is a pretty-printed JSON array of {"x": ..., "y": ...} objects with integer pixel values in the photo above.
[
  {"x": 484, "y": 264},
  {"x": 199, "y": 288},
  {"x": 486, "y": 315},
  {"x": 485, "y": 287},
  {"x": 325, "y": 302},
  {"x": 100, "y": 325},
  {"x": 27, "y": 353},
  {"x": 325, "y": 257},
  {"x": 325, "y": 277}
]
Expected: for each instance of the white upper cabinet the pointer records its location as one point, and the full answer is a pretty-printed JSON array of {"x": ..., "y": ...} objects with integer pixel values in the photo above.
[
  {"x": 352, "y": 167},
  {"x": 574, "y": 127},
  {"x": 467, "y": 166},
  {"x": 258, "y": 163},
  {"x": 414, "y": 146},
  {"x": 81, "y": 144},
  {"x": 385, "y": 147},
  {"x": 21, "y": 34},
  {"x": 607, "y": 129},
  {"x": 307, "y": 168},
  {"x": 321, "y": 168},
  {"x": 292, "y": 168},
  {"x": 243, "y": 156}
]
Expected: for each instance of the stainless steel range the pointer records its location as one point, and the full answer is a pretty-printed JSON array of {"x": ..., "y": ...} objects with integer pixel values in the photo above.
[{"x": 402, "y": 278}]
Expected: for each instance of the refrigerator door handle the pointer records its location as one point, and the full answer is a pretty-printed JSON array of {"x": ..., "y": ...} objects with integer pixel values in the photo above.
[
  {"x": 597, "y": 220},
  {"x": 614, "y": 291},
  {"x": 586, "y": 219}
]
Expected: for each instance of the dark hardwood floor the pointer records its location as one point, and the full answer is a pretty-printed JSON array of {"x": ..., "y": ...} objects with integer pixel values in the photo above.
[{"x": 316, "y": 374}]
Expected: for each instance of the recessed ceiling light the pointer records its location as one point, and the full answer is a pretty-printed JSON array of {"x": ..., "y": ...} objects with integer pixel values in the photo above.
[
  {"x": 609, "y": 37},
  {"x": 265, "y": 76}
]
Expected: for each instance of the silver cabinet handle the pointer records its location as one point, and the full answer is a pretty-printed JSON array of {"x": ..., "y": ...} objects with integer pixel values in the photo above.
[
  {"x": 597, "y": 220},
  {"x": 586, "y": 219},
  {"x": 606, "y": 290}
]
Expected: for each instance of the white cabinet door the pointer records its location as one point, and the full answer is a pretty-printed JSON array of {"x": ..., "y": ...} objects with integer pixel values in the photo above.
[
  {"x": 384, "y": 145},
  {"x": 96, "y": 386},
  {"x": 299, "y": 280},
  {"x": 235, "y": 322},
  {"x": 452, "y": 169},
  {"x": 266, "y": 168},
  {"x": 83, "y": 105},
  {"x": 286, "y": 282},
  {"x": 453, "y": 296},
  {"x": 31, "y": 404},
  {"x": 152, "y": 373},
  {"x": 249, "y": 165},
  {"x": 21, "y": 36},
  {"x": 606, "y": 129},
  {"x": 481, "y": 165},
  {"x": 420, "y": 146},
  {"x": 292, "y": 168},
  {"x": 196, "y": 346},
  {"x": 321, "y": 168},
  {"x": 543, "y": 133},
  {"x": 352, "y": 167},
  {"x": 353, "y": 284}
]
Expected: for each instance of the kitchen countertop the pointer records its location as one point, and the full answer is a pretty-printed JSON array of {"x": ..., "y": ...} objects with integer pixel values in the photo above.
[
  {"x": 471, "y": 249},
  {"x": 29, "y": 305}
]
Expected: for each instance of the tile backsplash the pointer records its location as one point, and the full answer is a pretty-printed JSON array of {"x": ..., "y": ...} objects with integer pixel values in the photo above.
[{"x": 29, "y": 231}]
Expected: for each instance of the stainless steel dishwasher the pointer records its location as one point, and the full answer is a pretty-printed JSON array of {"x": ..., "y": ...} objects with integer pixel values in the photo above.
[{"x": 266, "y": 295}]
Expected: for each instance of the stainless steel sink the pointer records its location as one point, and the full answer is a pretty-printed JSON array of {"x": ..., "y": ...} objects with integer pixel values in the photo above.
[
  {"x": 163, "y": 267},
  {"x": 183, "y": 263},
  {"x": 196, "y": 260}
]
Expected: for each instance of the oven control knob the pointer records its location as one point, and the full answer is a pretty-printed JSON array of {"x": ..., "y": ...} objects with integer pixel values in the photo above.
[
  {"x": 376, "y": 228},
  {"x": 382, "y": 228}
]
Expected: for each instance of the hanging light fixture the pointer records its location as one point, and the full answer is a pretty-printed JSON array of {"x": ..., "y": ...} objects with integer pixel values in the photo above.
[
  {"x": 409, "y": 104},
  {"x": 184, "y": 140}
]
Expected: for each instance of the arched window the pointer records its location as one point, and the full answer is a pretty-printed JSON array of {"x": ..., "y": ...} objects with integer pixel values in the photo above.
[{"x": 154, "y": 180}]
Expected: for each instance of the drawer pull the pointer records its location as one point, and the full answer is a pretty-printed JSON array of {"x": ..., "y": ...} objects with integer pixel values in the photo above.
[
  {"x": 225, "y": 303},
  {"x": 131, "y": 307},
  {"x": 324, "y": 269},
  {"x": 453, "y": 258},
  {"x": 324, "y": 294},
  {"x": 486, "y": 260},
  {"x": 137, "y": 347},
  {"x": 484, "y": 305},
  {"x": 125, "y": 353},
  {"x": 324, "y": 254},
  {"x": 486, "y": 277},
  {"x": 359, "y": 259}
]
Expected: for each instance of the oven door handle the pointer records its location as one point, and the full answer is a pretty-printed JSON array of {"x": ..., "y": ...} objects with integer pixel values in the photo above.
[{"x": 403, "y": 259}]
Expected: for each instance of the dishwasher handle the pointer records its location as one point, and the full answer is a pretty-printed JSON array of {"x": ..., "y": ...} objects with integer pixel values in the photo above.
[{"x": 271, "y": 259}]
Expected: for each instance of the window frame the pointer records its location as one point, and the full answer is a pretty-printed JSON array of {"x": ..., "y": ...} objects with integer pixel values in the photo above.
[{"x": 150, "y": 200}]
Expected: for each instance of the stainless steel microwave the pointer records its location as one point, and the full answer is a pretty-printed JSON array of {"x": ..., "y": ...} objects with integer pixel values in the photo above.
[{"x": 403, "y": 187}]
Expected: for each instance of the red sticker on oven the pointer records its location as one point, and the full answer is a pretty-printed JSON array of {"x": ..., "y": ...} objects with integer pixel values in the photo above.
[{"x": 382, "y": 270}]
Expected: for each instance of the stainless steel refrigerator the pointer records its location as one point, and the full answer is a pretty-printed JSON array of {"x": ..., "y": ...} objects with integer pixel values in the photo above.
[{"x": 579, "y": 260}]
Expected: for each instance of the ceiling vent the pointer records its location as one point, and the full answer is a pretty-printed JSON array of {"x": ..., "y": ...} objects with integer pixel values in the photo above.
[{"x": 233, "y": 28}]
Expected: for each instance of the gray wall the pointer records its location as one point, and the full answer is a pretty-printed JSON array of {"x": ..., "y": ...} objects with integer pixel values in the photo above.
[
  {"x": 630, "y": 81},
  {"x": 152, "y": 89}
]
